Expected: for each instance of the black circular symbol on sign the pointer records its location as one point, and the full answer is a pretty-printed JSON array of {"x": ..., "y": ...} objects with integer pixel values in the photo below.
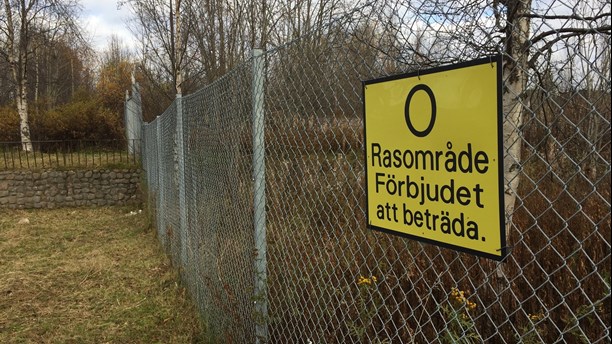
[{"x": 432, "y": 99}]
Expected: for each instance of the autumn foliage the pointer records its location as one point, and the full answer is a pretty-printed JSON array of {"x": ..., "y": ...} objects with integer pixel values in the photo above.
[
  {"x": 92, "y": 113},
  {"x": 86, "y": 118}
]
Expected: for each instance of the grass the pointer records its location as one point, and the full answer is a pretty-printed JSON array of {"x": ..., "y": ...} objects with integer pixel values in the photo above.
[{"x": 89, "y": 276}]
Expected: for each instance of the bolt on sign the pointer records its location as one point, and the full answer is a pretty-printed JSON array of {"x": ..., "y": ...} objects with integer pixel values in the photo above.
[{"x": 434, "y": 156}]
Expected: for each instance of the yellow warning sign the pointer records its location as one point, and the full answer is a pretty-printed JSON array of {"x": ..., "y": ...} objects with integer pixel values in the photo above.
[{"x": 434, "y": 156}]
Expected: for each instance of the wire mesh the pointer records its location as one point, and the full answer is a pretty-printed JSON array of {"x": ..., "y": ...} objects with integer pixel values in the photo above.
[{"x": 329, "y": 279}]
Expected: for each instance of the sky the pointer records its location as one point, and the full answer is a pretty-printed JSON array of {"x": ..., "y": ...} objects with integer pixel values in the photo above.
[{"x": 102, "y": 18}]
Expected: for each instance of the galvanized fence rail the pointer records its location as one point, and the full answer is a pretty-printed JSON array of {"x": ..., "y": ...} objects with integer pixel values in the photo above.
[
  {"x": 51, "y": 154},
  {"x": 257, "y": 183}
]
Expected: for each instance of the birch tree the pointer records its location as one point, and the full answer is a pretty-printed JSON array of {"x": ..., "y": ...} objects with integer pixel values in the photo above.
[
  {"x": 163, "y": 28},
  {"x": 522, "y": 53},
  {"x": 20, "y": 21}
]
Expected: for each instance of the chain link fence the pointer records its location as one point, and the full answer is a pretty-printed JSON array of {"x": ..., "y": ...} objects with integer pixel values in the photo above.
[{"x": 294, "y": 262}]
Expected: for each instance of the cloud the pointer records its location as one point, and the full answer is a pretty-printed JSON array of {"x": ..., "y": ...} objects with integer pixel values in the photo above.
[{"x": 101, "y": 19}]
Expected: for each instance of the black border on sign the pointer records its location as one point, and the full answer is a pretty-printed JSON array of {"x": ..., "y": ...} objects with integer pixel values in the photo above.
[{"x": 500, "y": 158}]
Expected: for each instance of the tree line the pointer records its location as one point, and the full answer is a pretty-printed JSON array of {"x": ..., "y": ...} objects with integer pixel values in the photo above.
[{"x": 54, "y": 85}]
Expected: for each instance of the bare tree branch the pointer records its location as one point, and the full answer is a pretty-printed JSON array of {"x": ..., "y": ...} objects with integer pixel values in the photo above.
[{"x": 605, "y": 29}]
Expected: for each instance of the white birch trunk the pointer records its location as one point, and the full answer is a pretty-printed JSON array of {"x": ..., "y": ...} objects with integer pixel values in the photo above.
[
  {"x": 22, "y": 110},
  {"x": 515, "y": 81},
  {"x": 515, "y": 77},
  {"x": 16, "y": 48},
  {"x": 178, "y": 48}
]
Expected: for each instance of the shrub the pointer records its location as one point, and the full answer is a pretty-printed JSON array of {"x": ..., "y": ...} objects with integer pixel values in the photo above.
[
  {"x": 79, "y": 120},
  {"x": 9, "y": 124}
]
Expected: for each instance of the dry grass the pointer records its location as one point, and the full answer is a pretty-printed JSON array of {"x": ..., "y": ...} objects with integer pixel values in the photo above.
[
  {"x": 88, "y": 276},
  {"x": 559, "y": 266}
]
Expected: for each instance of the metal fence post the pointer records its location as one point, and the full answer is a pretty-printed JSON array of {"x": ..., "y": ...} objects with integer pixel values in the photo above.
[
  {"x": 180, "y": 141},
  {"x": 261, "y": 302},
  {"x": 160, "y": 183},
  {"x": 126, "y": 119},
  {"x": 132, "y": 116},
  {"x": 136, "y": 120}
]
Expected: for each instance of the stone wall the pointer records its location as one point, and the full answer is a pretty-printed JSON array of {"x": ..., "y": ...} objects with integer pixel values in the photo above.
[{"x": 55, "y": 189}]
